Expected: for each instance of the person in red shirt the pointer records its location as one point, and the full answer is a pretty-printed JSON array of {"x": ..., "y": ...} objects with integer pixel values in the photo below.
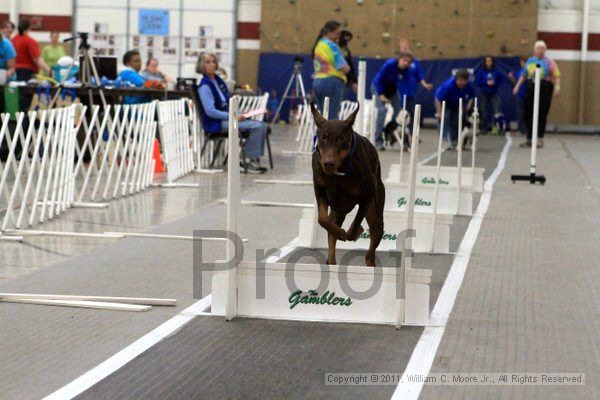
[{"x": 29, "y": 55}]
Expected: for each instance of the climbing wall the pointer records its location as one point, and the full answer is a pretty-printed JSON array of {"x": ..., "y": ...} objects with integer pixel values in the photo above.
[{"x": 436, "y": 28}]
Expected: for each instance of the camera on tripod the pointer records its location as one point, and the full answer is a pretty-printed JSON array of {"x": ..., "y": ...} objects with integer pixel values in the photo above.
[{"x": 84, "y": 36}]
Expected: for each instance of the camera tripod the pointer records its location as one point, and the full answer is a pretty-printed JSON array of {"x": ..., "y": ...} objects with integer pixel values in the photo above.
[
  {"x": 295, "y": 79},
  {"x": 88, "y": 69}
]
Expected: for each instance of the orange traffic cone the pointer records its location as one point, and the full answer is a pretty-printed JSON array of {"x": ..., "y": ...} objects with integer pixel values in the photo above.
[{"x": 158, "y": 165}]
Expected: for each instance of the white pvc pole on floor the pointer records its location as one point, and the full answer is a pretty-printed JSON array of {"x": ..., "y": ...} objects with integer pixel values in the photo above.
[
  {"x": 361, "y": 92},
  {"x": 437, "y": 176},
  {"x": 233, "y": 206},
  {"x": 536, "y": 115}
]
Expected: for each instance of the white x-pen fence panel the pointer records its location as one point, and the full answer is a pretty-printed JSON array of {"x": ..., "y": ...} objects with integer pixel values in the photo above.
[
  {"x": 176, "y": 138},
  {"x": 37, "y": 179},
  {"x": 120, "y": 146}
]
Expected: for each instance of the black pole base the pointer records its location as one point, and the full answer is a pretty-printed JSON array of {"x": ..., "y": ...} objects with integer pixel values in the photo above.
[{"x": 532, "y": 178}]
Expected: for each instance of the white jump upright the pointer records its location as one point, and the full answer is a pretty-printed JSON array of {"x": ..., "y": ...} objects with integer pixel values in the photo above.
[
  {"x": 437, "y": 174},
  {"x": 403, "y": 125},
  {"x": 361, "y": 92},
  {"x": 459, "y": 146},
  {"x": 176, "y": 141},
  {"x": 474, "y": 140}
]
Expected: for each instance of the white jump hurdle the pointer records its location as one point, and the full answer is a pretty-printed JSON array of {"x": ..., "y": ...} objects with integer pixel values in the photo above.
[
  {"x": 317, "y": 293},
  {"x": 471, "y": 178}
]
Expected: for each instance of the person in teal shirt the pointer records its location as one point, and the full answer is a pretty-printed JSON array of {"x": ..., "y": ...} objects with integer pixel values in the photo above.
[
  {"x": 131, "y": 73},
  {"x": 7, "y": 56}
]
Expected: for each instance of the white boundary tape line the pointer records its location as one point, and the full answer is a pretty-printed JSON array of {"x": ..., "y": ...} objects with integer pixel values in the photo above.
[
  {"x": 424, "y": 353},
  {"x": 114, "y": 363}
]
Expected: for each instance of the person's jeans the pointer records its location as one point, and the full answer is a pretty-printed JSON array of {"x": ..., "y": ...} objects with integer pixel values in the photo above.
[
  {"x": 333, "y": 88},
  {"x": 255, "y": 142},
  {"x": 490, "y": 105},
  {"x": 382, "y": 111}
]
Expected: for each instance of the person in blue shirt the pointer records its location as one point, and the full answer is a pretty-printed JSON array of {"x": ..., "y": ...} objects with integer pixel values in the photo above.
[
  {"x": 131, "y": 73},
  {"x": 214, "y": 99},
  {"x": 488, "y": 79},
  {"x": 417, "y": 77},
  {"x": 7, "y": 56},
  {"x": 514, "y": 77},
  {"x": 393, "y": 75},
  {"x": 453, "y": 89}
]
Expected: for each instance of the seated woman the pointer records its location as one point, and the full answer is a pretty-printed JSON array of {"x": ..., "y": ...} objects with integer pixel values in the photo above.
[{"x": 214, "y": 97}]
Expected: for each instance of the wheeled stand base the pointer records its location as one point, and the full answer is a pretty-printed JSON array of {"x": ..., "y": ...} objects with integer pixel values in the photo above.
[{"x": 532, "y": 178}]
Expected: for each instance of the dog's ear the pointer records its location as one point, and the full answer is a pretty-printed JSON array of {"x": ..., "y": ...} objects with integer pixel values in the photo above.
[
  {"x": 352, "y": 117},
  {"x": 319, "y": 120}
]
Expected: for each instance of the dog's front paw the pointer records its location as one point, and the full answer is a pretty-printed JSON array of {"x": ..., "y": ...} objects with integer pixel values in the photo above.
[
  {"x": 342, "y": 235},
  {"x": 354, "y": 234}
]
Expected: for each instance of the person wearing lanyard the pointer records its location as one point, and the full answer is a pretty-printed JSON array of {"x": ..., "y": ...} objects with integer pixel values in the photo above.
[
  {"x": 393, "y": 75},
  {"x": 455, "y": 88},
  {"x": 214, "y": 98},
  {"x": 488, "y": 79},
  {"x": 549, "y": 84},
  {"x": 330, "y": 67}
]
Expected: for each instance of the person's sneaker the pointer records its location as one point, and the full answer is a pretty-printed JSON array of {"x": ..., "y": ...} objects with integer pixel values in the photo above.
[
  {"x": 380, "y": 147},
  {"x": 540, "y": 143},
  {"x": 525, "y": 144},
  {"x": 254, "y": 168}
]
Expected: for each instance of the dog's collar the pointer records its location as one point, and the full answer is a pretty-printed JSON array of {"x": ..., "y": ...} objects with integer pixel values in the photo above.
[{"x": 347, "y": 159}]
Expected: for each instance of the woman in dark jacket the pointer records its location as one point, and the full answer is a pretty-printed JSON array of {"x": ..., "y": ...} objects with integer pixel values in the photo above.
[
  {"x": 214, "y": 97},
  {"x": 488, "y": 79}
]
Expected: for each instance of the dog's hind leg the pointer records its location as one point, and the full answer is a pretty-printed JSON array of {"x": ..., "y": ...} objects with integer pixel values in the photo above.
[{"x": 331, "y": 239}]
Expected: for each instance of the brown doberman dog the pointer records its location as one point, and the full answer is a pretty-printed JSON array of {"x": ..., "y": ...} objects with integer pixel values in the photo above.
[{"x": 347, "y": 173}]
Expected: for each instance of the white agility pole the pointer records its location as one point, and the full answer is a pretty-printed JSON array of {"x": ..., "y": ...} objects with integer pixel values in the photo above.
[
  {"x": 532, "y": 177},
  {"x": 362, "y": 88},
  {"x": 459, "y": 155},
  {"x": 233, "y": 206},
  {"x": 407, "y": 247},
  {"x": 437, "y": 175},
  {"x": 536, "y": 119}
]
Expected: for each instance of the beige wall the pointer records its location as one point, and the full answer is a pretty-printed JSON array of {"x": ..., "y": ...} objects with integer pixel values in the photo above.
[
  {"x": 437, "y": 28},
  {"x": 565, "y": 105},
  {"x": 247, "y": 67}
]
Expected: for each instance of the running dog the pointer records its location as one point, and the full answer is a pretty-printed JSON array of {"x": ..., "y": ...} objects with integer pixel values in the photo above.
[{"x": 347, "y": 173}]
